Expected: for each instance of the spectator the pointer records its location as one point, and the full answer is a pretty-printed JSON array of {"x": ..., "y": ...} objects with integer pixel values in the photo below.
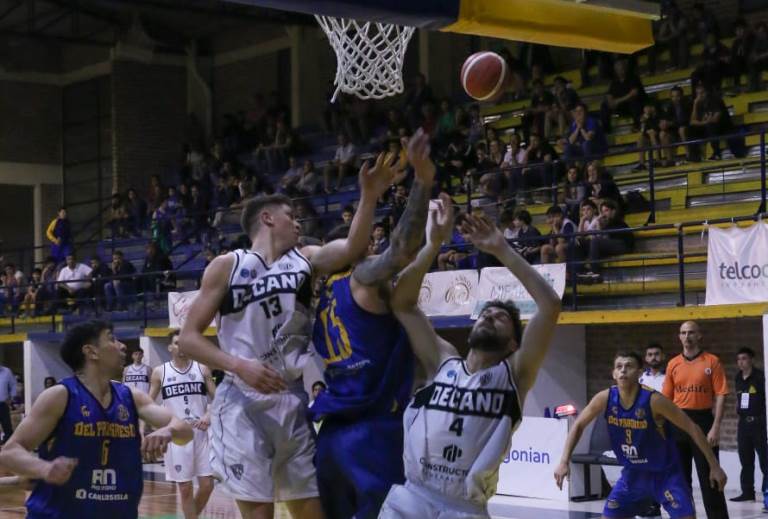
[
  {"x": 713, "y": 67},
  {"x": 604, "y": 63},
  {"x": 12, "y": 280},
  {"x": 456, "y": 255},
  {"x": 310, "y": 182},
  {"x": 174, "y": 209},
  {"x": 59, "y": 233},
  {"x": 649, "y": 134},
  {"x": 197, "y": 213},
  {"x": 514, "y": 154},
  {"x": 158, "y": 271},
  {"x": 309, "y": 222},
  {"x": 155, "y": 193},
  {"x": 671, "y": 34},
  {"x": 575, "y": 192},
  {"x": 446, "y": 122},
  {"x": 703, "y": 22},
  {"x": 483, "y": 164},
  {"x": 428, "y": 119},
  {"x": 476, "y": 126},
  {"x": 99, "y": 275},
  {"x": 399, "y": 201},
  {"x": 654, "y": 373},
  {"x": 73, "y": 283},
  {"x": 673, "y": 125},
  {"x": 119, "y": 292},
  {"x": 538, "y": 165},
  {"x": 601, "y": 185},
  {"x": 534, "y": 118},
  {"x": 49, "y": 382},
  {"x": 48, "y": 289},
  {"x": 343, "y": 163},
  {"x": 741, "y": 50},
  {"x": 118, "y": 217},
  {"x": 557, "y": 249},
  {"x": 626, "y": 96},
  {"x": 588, "y": 222},
  {"x": 495, "y": 154},
  {"x": 31, "y": 308},
  {"x": 291, "y": 177},
  {"x": 710, "y": 118},
  {"x": 137, "y": 212},
  {"x": 528, "y": 238},
  {"x": 379, "y": 237},
  {"x": 612, "y": 244},
  {"x": 416, "y": 97},
  {"x": 161, "y": 228},
  {"x": 758, "y": 58},
  {"x": 585, "y": 137},
  {"x": 347, "y": 213},
  {"x": 490, "y": 188},
  {"x": 559, "y": 115},
  {"x": 7, "y": 393},
  {"x": 695, "y": 368}
]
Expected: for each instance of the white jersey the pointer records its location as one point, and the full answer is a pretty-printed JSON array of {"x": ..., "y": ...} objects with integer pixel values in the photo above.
[
  {"x": 260, "y": 300},
  {"x": 458, "y": 430},
  {"x": 184, "y": 392},
  {"x": 137, "y": 377},
  {"x": 655, "y": 382}
]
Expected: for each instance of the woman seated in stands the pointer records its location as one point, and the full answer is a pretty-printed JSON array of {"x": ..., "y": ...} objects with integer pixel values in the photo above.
[
  {"x": 575, "y": 192},
  {"x": 601, "y": 185},
  {"x": 525, "y": 238}
]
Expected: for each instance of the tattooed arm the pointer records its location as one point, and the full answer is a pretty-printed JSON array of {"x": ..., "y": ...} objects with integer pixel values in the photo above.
[{"x": 409, "y": 233}]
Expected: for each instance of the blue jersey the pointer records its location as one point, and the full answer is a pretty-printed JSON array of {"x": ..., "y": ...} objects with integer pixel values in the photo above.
[
  {"x": 107, "y": 481},
  {"x": 638, "y": 441},
  {"x": 368, "y": 359}
]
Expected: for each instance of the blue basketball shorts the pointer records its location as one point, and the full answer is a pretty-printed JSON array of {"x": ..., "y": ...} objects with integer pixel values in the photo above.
[{"x": 636, "y": 489}]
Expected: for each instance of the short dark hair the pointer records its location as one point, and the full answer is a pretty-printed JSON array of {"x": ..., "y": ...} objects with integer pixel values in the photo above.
[
  {"x": 746, "y": 351},
  {"x": 524, "y": 216},
  {"x": 580, "y": 104},
  {"x": 118, "y": 253},
  {"x": 555, "y": 209},
  {"x": 36, "y": 270},
  {"x": 654, "y": 346},
  {"x": 173, "y": 333},
  {"x": 677, "y": 88},
  {"x": 348, "y": 209},
  {"x": 588, "y": 203},
  {"x": 610, "y": 204},
  {"x": 77, "y": 337},
  {"x": 629, "y": 354},
  {"x": 319, "y": 383},
  {"x": 255, "y": 205},
  {"x": 514, "y": 314}
]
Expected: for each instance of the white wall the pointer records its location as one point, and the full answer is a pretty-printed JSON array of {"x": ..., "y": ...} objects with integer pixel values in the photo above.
[{"x": 41, "y": 359}]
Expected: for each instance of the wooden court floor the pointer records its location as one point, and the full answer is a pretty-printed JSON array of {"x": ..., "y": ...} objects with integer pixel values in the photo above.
[{"x": 158, "y": 502}]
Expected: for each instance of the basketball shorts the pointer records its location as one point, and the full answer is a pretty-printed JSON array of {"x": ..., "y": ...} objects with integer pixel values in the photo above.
[
  {"x": 262, "y": 448},
  {"x": 358, "y": 461},
  {"x": 412, "y": 501},
  {"x": 190, "y": 461},
  {"x": 636, "y": 489}
]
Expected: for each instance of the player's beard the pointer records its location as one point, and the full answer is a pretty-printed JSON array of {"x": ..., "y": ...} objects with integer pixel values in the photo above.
[
  {"x": 655, "y": 365},
  {"x": 486, "y": 338}
]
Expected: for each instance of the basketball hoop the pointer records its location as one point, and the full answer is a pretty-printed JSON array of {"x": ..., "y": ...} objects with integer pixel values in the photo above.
[{"x": 369, "y": 56}]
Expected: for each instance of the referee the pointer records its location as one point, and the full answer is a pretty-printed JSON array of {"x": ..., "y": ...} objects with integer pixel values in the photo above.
[
  {"x": 696, "y": 383},
  {"x": 751, "y": 435}
]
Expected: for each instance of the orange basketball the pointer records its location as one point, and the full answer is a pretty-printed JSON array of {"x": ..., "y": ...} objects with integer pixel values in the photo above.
[{"x": 484, "y": 76}]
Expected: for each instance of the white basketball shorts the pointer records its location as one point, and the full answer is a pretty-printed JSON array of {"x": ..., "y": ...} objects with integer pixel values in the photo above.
[
  {"x": 262, "y": 449},
  {"x": 411, "y": 501},
  {"x": 190, "y": 461}
]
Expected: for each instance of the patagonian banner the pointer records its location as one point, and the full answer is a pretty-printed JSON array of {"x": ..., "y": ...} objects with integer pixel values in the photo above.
[
  {"x": 499, "y": 283},
  {"x": 448, "y": 293},
  {"x": 737, "y": 265}
]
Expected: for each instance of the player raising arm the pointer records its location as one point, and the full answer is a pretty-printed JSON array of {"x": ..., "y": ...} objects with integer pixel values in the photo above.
[
  {"x": 638, "y": 420},
  {"x": 459, "y": 427}
]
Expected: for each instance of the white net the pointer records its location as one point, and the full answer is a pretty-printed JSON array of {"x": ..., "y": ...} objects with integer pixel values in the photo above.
[{"x": 369, "y": 56}]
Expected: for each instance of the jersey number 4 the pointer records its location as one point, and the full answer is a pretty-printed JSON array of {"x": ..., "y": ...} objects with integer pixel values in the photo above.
[
  {"x": 457, "y": 426},
  {"x": 271, "y": 307}
]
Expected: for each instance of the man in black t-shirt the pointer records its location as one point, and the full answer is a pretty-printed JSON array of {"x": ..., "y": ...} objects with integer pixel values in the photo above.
[
  {"x": 710, "y": 118},
  {"x": 626, "y": 96},
  {"x": 609, "y": 244},
  {"x": 751, "y": 433},
  {"x": 674, "y": 121},
  {"x": 535, "y": 115}
]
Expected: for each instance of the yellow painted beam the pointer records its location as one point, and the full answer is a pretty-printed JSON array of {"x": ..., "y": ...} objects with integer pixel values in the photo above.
[
  {"x": 164, "y": 332},
  {"x": 636, "y": 288},
  {"x": 13, "y": 338},
  {"x": 663, "y": 315}
]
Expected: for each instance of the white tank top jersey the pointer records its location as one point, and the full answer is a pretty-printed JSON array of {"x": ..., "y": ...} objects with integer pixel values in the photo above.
[
  {"x": 137, "y": 378},
  {"x": 260, "y": 300},
  {"x": 184, "y": 392},
  {"x": 458, "y": 429}
]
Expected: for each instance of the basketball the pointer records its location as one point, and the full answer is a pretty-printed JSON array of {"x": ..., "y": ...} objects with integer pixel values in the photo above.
[{"x": 484, "y": 76}]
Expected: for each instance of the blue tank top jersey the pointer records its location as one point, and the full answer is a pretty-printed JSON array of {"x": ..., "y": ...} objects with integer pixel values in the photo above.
[
  {"x": 637, "y": 440},
  {"x": 368, "y": 360},
  {"x": 108, "y": 481}
]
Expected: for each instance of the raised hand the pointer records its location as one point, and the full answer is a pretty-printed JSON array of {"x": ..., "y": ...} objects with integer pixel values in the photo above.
[
  {"x": 483, "y": 234},
  {"x": 374, "y": 181},
  {"x": 418, "y": 155},
  {"x": 440, "y": 222},
  {"x": 60, "y": 470}
]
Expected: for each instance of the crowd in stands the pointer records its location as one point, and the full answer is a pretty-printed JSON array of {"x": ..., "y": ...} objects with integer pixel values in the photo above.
[{"x": 553, "y": 158}]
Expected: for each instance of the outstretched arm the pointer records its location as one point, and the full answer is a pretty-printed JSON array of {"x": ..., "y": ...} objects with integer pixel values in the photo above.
[
  {"x": 409, "y": 233},
  {"x": 167, "y": 427},
  {"x": 594, "y": 408},
  {"x": 338, "y": 254},
  {"x": 429, "y": 348},
  {"x": 538, "y": 333},
  {"x": 663, "y": 406}
]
